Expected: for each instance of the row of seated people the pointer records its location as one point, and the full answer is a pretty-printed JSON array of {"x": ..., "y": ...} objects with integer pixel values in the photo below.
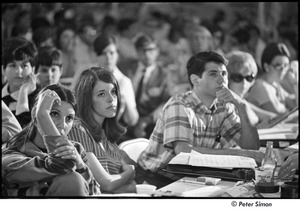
[
  {"x": 146, "y": 95},
  {"x": 98, "y": 128}
]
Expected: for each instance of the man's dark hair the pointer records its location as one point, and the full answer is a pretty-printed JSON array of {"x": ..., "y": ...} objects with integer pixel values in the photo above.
[
  {"x": 102, "y": 41},
  {"x": 242, "y": 32},
  {"x": 42, "y": 34},
  {"x": 143, "y": 41},
  {"x": 16, "y": 49},
  {"x": 48, "y": 56},
  {"x": 125, "y": 24},
  {"x": 196, "y": 64}
]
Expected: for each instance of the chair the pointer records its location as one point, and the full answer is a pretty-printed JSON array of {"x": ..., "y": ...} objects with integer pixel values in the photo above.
[{"x": 134, "y": 147}]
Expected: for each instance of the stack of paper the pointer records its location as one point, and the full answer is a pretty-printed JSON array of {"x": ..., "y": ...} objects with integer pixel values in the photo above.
[
  {"x": 278, "y": 133},
  {"x": 214, "y": 161}
]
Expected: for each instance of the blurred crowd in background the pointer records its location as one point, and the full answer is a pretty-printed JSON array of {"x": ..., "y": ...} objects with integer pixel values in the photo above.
[
  {"x": 179, "y": 30},
  {"x": 244, "y": 26}
]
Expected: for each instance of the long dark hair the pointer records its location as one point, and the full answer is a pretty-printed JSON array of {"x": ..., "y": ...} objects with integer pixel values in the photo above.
[
  {"x": 30, "y": 131},
  {"x": 272, "y": 50},
  {"x": 83, "y": 93}
]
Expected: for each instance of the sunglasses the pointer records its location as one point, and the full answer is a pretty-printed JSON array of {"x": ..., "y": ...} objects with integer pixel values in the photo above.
[{"x": 239, "y": 78}]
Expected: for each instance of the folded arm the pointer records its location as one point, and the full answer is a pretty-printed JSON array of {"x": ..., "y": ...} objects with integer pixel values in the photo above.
[{"x": 111, "y": 183}]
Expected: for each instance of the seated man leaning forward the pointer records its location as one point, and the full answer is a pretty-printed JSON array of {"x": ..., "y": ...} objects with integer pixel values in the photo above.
[{"x": 210, "y": 119}]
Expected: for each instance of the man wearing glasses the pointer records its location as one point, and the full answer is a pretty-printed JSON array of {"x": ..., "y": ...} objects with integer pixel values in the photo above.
[{"x": 210, "y": 119}]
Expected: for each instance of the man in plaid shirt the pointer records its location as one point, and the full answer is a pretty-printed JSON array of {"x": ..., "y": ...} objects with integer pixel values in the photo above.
[{"x": 210, "y": 119}]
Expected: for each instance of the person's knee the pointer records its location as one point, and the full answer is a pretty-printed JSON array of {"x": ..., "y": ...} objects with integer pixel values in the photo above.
[{"x": 70, "y": 184}]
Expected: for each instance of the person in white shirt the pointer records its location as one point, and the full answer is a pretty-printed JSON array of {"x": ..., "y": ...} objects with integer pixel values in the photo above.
[{"x": 105, "y": 47}]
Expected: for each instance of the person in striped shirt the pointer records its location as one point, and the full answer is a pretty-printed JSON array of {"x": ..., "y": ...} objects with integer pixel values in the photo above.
[
  {"x": 40, "y": 160},
  {"x": 98, "y": 104},
  {"x": 209, "y": 119}
]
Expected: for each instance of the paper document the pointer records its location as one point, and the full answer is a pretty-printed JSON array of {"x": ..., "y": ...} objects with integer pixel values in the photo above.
[
  {"x": 214, "y": 161},
  {"x": 294, "y": 146},
  {"x": 288, "y": 132},
  {"x": 205, "y": 191}
]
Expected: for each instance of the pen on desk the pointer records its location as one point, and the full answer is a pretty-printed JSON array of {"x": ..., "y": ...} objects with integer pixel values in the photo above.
[
  {"x": 191, "y": 181},
  {"x": 239, "y": 183}
]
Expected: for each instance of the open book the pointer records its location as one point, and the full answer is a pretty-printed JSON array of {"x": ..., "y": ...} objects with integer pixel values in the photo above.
[{"x": 214, "y": 161}]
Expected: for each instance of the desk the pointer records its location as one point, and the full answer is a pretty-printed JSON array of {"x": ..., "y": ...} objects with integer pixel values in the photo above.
[
  {"x": 225, "y": 188},
  {"x": 282, "y": 135},
  {"x": 187, "y": 189}
]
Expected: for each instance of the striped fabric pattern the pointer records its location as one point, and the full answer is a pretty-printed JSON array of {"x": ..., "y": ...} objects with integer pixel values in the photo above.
[
  {"x": 186, "y": 118},
  {"x": 106, "y": 152}
]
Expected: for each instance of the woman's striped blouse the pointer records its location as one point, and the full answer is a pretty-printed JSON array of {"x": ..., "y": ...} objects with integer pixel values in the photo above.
[{"x": 107, "y": 153}]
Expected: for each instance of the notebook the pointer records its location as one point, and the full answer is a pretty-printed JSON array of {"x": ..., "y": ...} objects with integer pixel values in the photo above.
[{"x": 218, "y": 166}]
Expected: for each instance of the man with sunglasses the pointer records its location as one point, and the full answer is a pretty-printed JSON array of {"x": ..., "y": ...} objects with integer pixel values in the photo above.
[
  {"x": 242, "y": 70},
  {"x": 204, "y": 119}
]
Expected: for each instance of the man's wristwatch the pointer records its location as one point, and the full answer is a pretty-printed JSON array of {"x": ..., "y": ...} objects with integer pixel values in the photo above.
[{"x": 81, "y": 170}]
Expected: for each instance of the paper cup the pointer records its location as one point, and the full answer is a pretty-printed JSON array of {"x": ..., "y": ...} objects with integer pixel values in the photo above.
[
  {"x": 145, "y": 189},
  {"x": 51, "y": 141},
  {"x": 263, "y": 175}
]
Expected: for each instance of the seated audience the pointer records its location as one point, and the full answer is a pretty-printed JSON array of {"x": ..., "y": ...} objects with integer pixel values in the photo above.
[
  {"x": 10, "y": 125},
  {"x": 18, "y": 62},
  {"x": 21, "y": 24},
  {"x": 267, "y": 93},
  {"x": 242, "y": 71},
  {"x": 98, "y": 98},
  {"x": 84, "y": 53},
  {"x": 43, "y": 36},
  {"x": 150, "y": 85},
  {"x": 127, "y": 31},
  {"x": 65, "y": 41},
  {"x": 293, "y": 72},
  {"x": 200, "y": 39},
  {"x": 40, "y": 160},
  {"x": 106, "y": 49},
  {"x": 48, "y": 66},
  {"x": 209, "y": 119},
  {"x": 246, "y": 36}
]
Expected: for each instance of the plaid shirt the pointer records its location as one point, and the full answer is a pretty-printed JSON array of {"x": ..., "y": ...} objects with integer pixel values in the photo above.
[{"x": 185, "y": 118}]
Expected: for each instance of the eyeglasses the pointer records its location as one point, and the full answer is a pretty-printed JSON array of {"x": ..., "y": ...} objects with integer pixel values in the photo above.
[
  {"x": 239, "y": 78},
  {"x": 280, "y": 66},
  {"x": 90, "y": 31}
]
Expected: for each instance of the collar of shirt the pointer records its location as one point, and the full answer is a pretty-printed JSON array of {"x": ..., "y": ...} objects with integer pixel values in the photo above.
[
  {"x": 5, "y": 93},
  {"x": 201, "y": 107},
  {"x": 118, "y": 74}
]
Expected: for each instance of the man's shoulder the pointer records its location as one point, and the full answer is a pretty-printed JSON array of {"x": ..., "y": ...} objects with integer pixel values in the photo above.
[
  {"x": 183, "y": 99},
  {"x": 161, "y": 68}
]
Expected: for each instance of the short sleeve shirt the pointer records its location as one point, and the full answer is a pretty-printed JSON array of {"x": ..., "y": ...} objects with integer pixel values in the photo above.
[{"x": 185, "y": 118}]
